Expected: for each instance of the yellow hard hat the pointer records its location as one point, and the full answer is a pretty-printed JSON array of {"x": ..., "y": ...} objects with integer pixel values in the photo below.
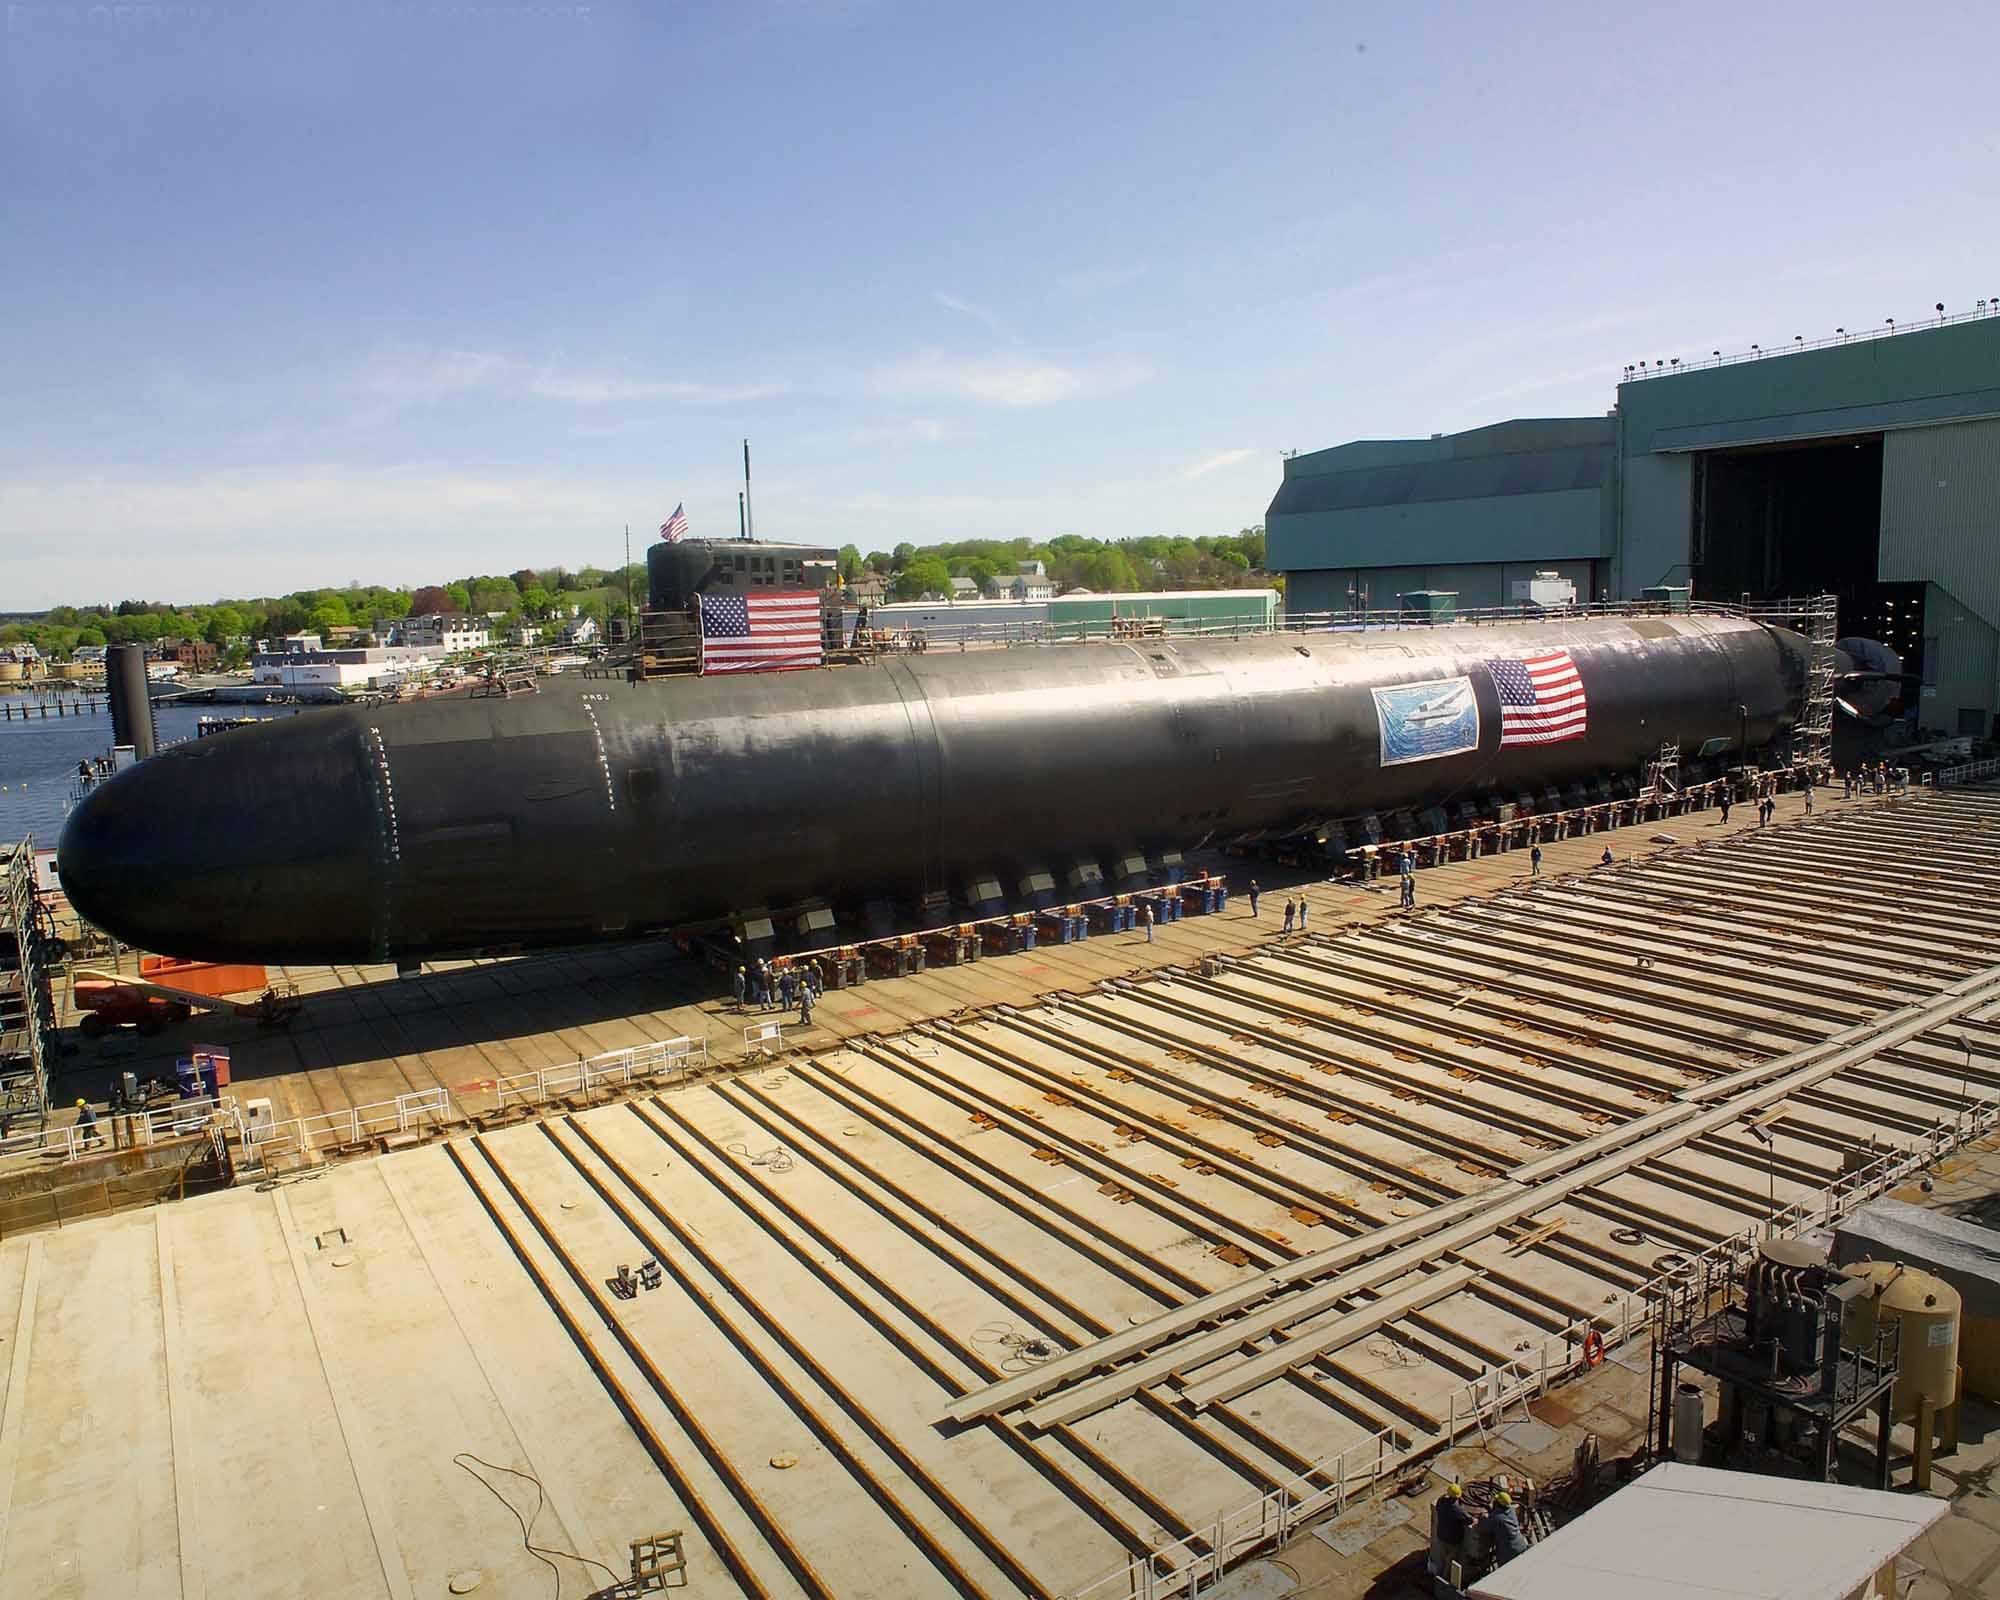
[
  {"x": 81, "y": 1101},
  {"x": 1454, "y": 1490},
  {"x": 1503, "y": 1498}
]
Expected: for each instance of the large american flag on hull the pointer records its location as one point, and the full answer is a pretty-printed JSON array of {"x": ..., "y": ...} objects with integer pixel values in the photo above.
[
  {"x": 1541, "y": 698},
  {"x": 759, "y": 632}
]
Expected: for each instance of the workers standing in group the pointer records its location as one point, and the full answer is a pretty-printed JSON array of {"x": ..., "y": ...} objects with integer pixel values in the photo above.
[
  {"x": 1409, "y": 902},
  {"x": 805, "y": 1005},
  {"x": 1406, "y": 863},
  {"x": 1253, "y": 897},
  {"x": 1290, "y": 912},
  {"x": 1302, "y": 913},
  {"x": 787, "y": 989},
  {"x": 1850, "y": 783},
  {"x": 739, "y": 983}
]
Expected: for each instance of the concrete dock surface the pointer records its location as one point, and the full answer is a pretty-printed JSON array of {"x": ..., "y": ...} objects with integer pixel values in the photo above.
[{"x": 1014, "y": 1274}]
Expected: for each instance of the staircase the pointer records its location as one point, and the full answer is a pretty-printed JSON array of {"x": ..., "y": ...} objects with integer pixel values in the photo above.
[{"x": 1814, "y": 741}]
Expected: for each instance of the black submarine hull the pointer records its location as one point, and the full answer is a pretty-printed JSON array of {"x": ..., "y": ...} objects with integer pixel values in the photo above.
[{"x": 600, "y": 808}]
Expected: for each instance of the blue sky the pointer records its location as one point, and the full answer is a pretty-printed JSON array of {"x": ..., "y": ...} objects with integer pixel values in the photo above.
[{"x": 304, "y": 291}]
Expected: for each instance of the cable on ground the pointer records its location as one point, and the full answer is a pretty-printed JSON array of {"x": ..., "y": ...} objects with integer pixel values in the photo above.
[
  {"x": 469, "y": 1462},
  {"x": 774, "y": 1160},
  {"x": 1025, "y": 1351}
]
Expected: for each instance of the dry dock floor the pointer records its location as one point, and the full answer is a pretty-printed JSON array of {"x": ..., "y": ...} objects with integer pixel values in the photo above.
[{"x": 1011, "y": 1277}]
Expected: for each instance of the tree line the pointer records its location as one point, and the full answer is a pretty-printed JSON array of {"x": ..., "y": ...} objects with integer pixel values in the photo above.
[
  {"x": 527, "y": 595},
  {"x": 531, "y": 594},
  {"x": 1071, "y": 561}
]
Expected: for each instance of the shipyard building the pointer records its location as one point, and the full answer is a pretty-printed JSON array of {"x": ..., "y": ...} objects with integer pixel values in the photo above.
[{"x": 1865, "y": 467}]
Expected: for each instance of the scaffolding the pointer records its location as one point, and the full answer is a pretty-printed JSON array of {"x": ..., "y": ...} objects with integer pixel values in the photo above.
[
  {"x": 1815, "y": 743},
  {"x": 27, "y": 1005},
  {"x": 1663, "y": 773}
]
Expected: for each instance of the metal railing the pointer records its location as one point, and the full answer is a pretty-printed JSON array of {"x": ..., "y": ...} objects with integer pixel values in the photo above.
[
  {"x": 1184, "y": 1566},
  {"x": 1889, "y": 329},
  {"x": 1483, "y": 1400},
  {"x": 257, "y": 1142},
  {"x": 1965, "y": 772},
  {"x": 666, "y": 1058},
  {"x": 113, "y": 1131},
  {"x": 1265, "y": 1523}
]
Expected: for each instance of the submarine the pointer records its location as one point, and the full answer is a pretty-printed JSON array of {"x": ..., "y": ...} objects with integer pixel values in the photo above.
[{"x": 606, "y": 807}]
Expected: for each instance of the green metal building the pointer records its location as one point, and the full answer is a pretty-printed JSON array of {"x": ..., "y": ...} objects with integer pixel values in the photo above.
[{"x": 1868, "y": 467}]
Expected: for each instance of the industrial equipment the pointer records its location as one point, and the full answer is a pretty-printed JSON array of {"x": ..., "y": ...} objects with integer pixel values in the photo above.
[
  {"x": 1924, "y": 1310},
  {"x": 1790, "y": 1370},
  {"x": 110, "y": 999}
]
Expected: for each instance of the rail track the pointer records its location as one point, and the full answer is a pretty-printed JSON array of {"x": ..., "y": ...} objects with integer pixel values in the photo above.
[{"x": 1000, "y": 1305}]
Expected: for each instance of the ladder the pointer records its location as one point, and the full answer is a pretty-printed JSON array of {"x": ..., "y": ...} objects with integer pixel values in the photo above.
[
  {"x": 1814, "y": 743},
  {"x": 1663, "y": 772}
]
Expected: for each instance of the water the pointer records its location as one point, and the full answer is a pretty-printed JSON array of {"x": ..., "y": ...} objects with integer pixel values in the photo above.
[{"x": 38, "y": 759}]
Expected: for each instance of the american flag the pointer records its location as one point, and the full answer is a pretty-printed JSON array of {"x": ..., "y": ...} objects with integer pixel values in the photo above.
[
  {"x": 1541, "y": 698},
  {"x": 759, "y": 632},
  {"x": 675, "y": 528}
]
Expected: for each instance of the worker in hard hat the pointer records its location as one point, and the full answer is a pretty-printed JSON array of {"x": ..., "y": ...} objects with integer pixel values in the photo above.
[
  {"x": 1449, "y": 1523},
  {"x": 86, "y": 1123},
  {"x": 1503, "y": 1530}
]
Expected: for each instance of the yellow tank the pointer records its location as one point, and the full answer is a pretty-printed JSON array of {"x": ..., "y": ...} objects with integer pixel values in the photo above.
[
  {"x": 12, "y": 672},
  {"x": 1928, "y": 1309},
  {"x": 70, "y": 671}
]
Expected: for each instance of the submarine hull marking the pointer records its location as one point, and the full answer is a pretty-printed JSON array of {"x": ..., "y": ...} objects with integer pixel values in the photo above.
[{"x": 1426, "y": 721}]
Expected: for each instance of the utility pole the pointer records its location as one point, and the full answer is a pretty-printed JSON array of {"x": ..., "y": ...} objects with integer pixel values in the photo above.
[
  {"x": 749, "y": 510},
  {"x": 742, "y": 523},
  {"x": 628, "y": 582}
]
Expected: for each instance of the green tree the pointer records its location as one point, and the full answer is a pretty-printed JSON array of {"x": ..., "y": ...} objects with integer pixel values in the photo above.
[
  {"x": 459, "y": 595},
  {"x": 850, "y": 562},
  {"x": 881, "y": 561},
  {"x": 91, "y": 636},
  {"x": 904, "y": 554},
  {"x": 493, "y": 594},
  {"x": 925, "y": 575},
  {"x": 536, "y": 601}
]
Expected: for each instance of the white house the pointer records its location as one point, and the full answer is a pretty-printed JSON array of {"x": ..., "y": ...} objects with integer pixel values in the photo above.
[
  {"x": 1031, "y": 581},
  {"x": 580, "y": 630},
  {"x": 447, "y": 629}
]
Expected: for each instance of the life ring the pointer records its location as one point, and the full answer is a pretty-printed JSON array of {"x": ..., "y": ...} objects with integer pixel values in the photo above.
[{"x": 1593, "y": 1348}]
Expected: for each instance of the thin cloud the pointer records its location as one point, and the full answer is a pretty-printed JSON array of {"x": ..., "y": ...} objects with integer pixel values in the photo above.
[
  {"x": 965, "y": 308},
  {"x": 1221, "y": 461},
  {"x": 1011, "y": 382},
  {"x": 584, "y": 389},
  {"x": 912, "y": 430},
  {"x": 427, "y": 377},
  {"x": 1098, "y": 280}
]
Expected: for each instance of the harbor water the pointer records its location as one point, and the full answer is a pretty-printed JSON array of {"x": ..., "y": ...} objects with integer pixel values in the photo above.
[{"x": 39, "y": 756}]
